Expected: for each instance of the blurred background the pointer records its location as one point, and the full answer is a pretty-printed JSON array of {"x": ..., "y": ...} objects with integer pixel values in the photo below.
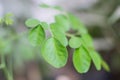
[{"x": 101, "y": 17}]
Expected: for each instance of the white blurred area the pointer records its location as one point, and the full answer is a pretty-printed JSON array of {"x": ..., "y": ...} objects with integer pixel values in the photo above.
[
  {"x": 47, "y": 14},
  {"x": 1, "y": 10},
  {"x": 42, "y": 14}
]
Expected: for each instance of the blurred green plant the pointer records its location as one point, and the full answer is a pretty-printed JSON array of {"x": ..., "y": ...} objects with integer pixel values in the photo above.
[
  {"x": 7, "y": 19},
  {"x": 14, "y": 47},
  {"x": 53, "y": 49}
]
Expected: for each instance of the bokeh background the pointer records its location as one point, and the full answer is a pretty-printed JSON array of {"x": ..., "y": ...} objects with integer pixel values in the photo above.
[{"x": 101, "y": 17}]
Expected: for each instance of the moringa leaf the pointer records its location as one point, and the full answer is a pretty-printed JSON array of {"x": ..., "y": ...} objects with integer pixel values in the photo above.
[
  {"x": 55, "y": 53},
  {"x": 96, "y": 58},
  {"x": 44, "y": 25},
  {"x": 58, "y": 8},
  {"x": 59, "y": 34},
  {"x": 63, "y": 22},
  {"x": 32, "y": 22},
  {"x": 81, "y": 60},
  {"x": 88, "y": 41},
  {"x": 75, "y": 42},
  {"x": 105, "y": 66},
  {"x": 7, "y": 19},
  {"x": 37, "y": 35},
  {"x": 52, "y": 7},
  {"x": 76, "y": 24}
]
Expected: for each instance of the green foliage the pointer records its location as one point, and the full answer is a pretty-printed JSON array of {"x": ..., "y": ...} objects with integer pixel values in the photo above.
[
  {"x": 105, "y": 66},
  {"x": 44, "y": 25},
  {"x": 32, "y": 22},
  {"x": 63, "y": 22},
  {"x": 96, "y": 59},
  {"x": 52, "y": 7},
  {"x": 88, "y": 44},
  {"x": 77, "y": 24},
  {"x": 58, "y": 34},
  {"x": 36, "y": 35},
  {"x": 7, "y": 19},
  {"x": 87, "y": 39},
  {"x": 74, "y": 42},
  {"x": 55, "y": 53},
  {"x": 67, "y": 30},
  {"x": 54, "y": 49},
  {"x": 81, "y": 60}
]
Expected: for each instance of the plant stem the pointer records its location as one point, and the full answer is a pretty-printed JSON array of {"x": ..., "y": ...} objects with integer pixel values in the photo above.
[
  {"x": 6, "y": 72},
  {"x": 69, "y": 35}
]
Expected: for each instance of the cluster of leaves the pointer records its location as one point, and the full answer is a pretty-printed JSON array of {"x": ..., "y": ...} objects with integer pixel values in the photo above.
[
  {"x": 54, "y": 48},
  {"x": 14, "y": 47},
  {"x": 7, "y": 19},
  {"x": 67, "y": 30},
  {"x": 5, "y": 44}
]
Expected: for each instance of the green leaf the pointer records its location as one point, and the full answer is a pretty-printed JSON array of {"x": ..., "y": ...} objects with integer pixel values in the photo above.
[
  {"x": 44, "y": 25},
  {"x": 88, "y": 41},
  {"x": 52, "y": 7},
  {"x": 81, "y": 60},
  {"x": 96, "y": 58},
  {"x": 75, "y": 42},
  {"x": 58, "y": 8},
  {"x": 44, "y": 6},
  {"x": 32, "y": 22},
  {"x": 77, "y": 25},
  {"x": 9, "y": 15},
  {"x": 37, "y": 35},
  {"x": 63, "y": 21},
  {"x": 7, "y": 19},
  {"x": 55, "y": 53},
  {"x": 105, "y": 66},
  {"x": 59, "y": 34}
]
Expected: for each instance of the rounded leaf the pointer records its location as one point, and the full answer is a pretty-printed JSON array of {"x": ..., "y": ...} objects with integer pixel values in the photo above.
[
  {"x": 55, "y": 53},
  {"x": 44, "y": 25},
  {"x": 96, "y": 59},
  {"x": 75, "y": 42},
  {"x": 59, "y": 34},
  {"x": 63, "y": 22},
  {"x": 77, "y": 25},
  {"x": 81, "y": 60},
  {"x": 36, "y": 35},
  {"x": 87, "y": 39},
  {"x": 32, "y": 22}
]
